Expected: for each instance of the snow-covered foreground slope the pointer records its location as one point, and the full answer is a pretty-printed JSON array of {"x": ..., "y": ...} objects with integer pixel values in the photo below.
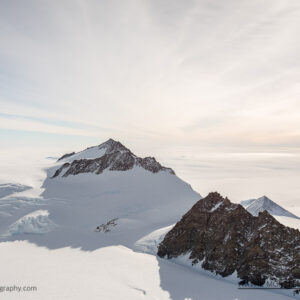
[{"x": 114, "y": 272}]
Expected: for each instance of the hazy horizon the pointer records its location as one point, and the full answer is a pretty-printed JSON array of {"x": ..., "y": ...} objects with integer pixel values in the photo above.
[{"x": 210, "y": 88}]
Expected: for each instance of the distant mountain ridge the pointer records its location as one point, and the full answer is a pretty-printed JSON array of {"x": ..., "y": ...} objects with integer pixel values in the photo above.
[
  {"x": 255, "y": 206},
  {"x": 110, "y": 155}
]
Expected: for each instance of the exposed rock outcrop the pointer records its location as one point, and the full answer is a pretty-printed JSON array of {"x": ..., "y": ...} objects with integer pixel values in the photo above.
[
  {"x": 66, "y": 155},
  {"x": 107, "y": 227},
  {"x": 224, "y": 237},
  {"x": 114, "y": 157}
]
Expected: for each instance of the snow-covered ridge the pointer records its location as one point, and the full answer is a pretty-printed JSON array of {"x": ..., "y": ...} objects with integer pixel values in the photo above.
[
  {"x": 36, "y": 222},
  {"x": 150, "y": 242},
  {"x": 255, "y": 206},
  {"x": 111, "y": 155},
  {"x": 11, "y": 188}
]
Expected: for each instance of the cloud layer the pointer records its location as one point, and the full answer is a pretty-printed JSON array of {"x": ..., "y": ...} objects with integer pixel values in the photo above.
[
  {"x": 225, "y": 71},
  {"x": 181, "y": 80}
]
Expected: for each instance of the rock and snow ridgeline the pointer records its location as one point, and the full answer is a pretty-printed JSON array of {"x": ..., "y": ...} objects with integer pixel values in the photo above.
[
  {"x": 111, "y": 155},
  {"x": 225, "y": 238}
]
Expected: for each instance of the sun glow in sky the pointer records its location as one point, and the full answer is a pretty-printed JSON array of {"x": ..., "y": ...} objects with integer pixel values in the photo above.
[{"x": 209, "y": 87}]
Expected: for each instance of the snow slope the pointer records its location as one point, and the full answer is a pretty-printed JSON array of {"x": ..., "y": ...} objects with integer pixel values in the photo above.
[
  {"x": 109, "y": 273},
  {"x": 89, "y": 153},
  {"x": 37, "y": 222},
  {"x": 140, "y": 201},
  {"x": 12, "y": 188},
  {"x": 137, "y": 201},
  {"x": 254, "y": 206},
  {"x": 150, "y": 242}
]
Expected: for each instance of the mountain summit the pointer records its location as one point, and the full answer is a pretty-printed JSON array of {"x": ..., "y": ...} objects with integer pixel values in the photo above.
[
  {"x": 104, "y": 195},
  {"x": 255, "y": 206},
  {"x": 110, "y": 155}
]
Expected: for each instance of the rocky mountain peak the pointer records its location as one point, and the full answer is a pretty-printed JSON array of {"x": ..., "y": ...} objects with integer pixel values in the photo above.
[
  {"x": 111, "y": 146},
  {"x": 264, "y": 200},
  {"x": 110, "y": 155},
  {"x": 215, "y": 202},
  {"x": 224, "y": 237}
]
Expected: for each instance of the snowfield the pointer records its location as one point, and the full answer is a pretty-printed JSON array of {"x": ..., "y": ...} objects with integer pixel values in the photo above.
[
  {"x": 140, "y": 200},
  {"x": 37, "y": 222},
  {"x": 7, "y": 189},
  {"x": 115, "y": 272}
]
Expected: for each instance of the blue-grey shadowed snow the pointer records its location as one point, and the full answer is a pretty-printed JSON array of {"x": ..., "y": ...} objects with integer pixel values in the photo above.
[
  {"x": 255, "y": 206},
  {"x": 11, "y": 188},
  {"x": 181, "y": 282}
]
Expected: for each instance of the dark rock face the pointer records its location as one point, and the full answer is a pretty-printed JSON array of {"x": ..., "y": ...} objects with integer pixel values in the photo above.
[
  {"x": 59, "y": 170},
  {"x": 66, "y": 155},
  {"x": 107, "y": 227},
  {"x": 115, "y": 158},
  {"x": 225, "y": 238},
  {"x": 150, "y": 164}
]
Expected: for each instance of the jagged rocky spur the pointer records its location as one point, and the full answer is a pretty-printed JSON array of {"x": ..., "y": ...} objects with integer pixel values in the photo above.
[{"x": 224, "y": 237}]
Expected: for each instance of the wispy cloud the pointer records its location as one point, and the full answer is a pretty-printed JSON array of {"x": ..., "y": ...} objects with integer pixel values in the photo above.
[
  {"x": 26, "y": 124},
  {"x": 198, "y": 72}
]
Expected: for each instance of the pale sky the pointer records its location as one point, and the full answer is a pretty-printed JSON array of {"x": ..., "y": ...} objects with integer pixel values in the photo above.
[{"x": 211, "y": 83}]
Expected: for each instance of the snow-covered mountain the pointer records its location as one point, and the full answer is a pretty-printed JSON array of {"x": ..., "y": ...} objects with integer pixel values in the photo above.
[
  {"x": 110, "y": 155},
  {"x": 255, "y": 206},
  {"x": 104, "y": 195}
]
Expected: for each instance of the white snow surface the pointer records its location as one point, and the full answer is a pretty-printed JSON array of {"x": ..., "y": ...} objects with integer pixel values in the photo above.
[
  {"x": 216, "y": 206},
  {"x": 141, "y": 201},
  {"x": 110, "y": 273},
  {"x": 7, "y": 189},
  {"x": 150, "y": 242},
  {"x": 89, "y": 153},
  {"x": 36, "y": 222}
]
